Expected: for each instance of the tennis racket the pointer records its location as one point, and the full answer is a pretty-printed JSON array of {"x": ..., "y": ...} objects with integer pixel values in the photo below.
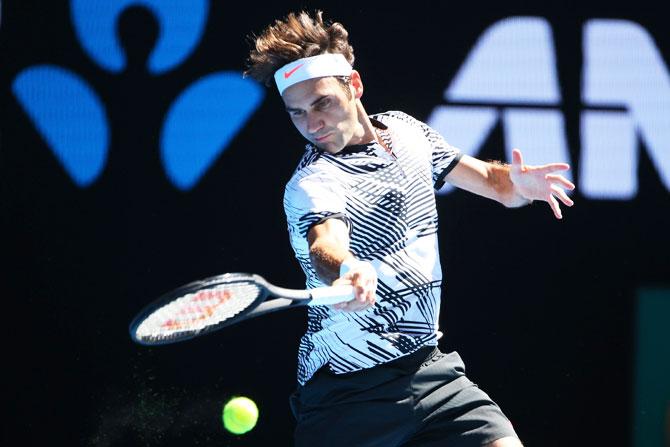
[{"x": 204, "y": 306}]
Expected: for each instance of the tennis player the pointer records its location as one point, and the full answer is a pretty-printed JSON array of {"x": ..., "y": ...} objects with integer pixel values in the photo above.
[{"x": 361, "y": 210}]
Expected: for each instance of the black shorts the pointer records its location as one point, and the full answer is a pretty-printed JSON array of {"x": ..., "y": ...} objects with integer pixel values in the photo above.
[{"x": 423, "y": 399}]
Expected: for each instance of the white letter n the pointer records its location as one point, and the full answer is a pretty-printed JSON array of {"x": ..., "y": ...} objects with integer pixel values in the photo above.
[{"x": 622, "y": 69}]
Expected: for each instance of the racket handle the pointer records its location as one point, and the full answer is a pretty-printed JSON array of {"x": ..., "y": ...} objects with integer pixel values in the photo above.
[{"x": 331, "y": 295}]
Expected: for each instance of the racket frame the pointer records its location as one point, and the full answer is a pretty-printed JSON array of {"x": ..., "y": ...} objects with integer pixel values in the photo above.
[{"x": 285, "y": 298}]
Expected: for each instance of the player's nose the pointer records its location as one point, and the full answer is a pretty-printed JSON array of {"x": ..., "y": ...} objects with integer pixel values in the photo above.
[{"x": 314, "y": 124}]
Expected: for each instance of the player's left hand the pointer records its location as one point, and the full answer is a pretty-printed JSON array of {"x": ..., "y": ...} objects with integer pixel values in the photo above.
[{"x": 541, "y": 182}]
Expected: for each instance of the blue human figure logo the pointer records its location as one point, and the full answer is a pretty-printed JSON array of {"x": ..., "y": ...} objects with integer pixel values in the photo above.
[{"x": 68, "y": 113}]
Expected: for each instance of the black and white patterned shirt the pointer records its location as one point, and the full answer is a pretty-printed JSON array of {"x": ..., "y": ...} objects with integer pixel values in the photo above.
[{"x": 388, "y": 202}]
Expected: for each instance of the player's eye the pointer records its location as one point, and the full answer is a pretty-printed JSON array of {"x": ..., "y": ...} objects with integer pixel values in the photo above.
[{"x": 324, "y": 103}]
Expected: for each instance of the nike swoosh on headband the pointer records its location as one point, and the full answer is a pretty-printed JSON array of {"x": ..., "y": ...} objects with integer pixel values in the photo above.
[
  {"x": 321, "y": 65},
  {"x": 287, "y": 74}
]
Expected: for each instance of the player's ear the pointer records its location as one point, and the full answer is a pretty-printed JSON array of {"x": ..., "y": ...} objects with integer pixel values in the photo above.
[{"x": 356, "y": 84}]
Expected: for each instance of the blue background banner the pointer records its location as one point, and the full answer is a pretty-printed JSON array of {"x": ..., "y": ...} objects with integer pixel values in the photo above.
[{"x": 135, "y": 158}]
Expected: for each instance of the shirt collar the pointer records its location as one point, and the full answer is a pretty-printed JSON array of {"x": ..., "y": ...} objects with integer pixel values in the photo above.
[{"x": 367, "y": 148}]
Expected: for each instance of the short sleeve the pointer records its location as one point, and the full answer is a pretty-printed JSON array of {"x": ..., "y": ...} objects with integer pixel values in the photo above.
[
  {"x": 444, "y": 157},
  {"x": 312, "y": 199}
]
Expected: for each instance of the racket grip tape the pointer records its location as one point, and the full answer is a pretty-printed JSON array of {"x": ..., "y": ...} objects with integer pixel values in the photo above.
[{"x": 322, "y": 296}]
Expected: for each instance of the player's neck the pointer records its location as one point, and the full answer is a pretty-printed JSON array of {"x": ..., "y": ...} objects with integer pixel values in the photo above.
[{"x": 367, "y": 130}]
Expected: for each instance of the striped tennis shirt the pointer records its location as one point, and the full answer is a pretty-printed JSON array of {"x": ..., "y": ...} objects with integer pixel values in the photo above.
[{"x": 388, "y": 202}]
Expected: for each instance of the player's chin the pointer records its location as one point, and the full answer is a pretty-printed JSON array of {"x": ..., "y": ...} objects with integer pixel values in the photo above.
[{"x": 330, "y": 147}]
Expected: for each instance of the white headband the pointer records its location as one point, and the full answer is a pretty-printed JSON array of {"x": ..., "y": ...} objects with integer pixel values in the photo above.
[{"x": 329, "y": 64}]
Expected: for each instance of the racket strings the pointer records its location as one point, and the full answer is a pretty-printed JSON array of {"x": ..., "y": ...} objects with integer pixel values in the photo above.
[{"x": 196, "y": 311}]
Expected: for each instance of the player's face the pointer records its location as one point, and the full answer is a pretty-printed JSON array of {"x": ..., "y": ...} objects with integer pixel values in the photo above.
[{"x": 324, "y": 114}]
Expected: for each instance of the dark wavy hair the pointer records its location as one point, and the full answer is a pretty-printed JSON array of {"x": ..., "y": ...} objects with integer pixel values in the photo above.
[{"x": 297, "y": 36}]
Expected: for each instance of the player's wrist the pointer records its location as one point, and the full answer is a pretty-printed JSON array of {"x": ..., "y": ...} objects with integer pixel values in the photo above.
[
  {"x": 352, "y": 263},
  {"x": 516, "y": 198},
  {"x": 521, "y": 200}
]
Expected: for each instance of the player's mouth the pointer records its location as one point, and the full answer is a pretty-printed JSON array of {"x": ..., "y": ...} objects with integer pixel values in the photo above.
[{"x": 323, "y": 137}]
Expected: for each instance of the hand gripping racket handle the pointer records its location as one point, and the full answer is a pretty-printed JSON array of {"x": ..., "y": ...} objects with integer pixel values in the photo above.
[{"x": 331, "y": 295}]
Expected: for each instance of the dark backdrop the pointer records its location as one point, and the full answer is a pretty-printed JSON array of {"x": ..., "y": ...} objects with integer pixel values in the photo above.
[{"x": 542, "y": 311}]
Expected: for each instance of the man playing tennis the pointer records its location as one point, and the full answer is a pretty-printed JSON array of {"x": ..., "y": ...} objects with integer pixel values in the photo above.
[{"x": 361, "y": 210}]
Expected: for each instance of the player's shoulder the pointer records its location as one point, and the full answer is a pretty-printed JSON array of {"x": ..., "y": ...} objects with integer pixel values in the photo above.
[
  {"x": 309, "y": 162},
  {"x": 403, "y": 124},
  {"x": 309, "y": 158},
  {"x": 311, "y": 183},
  {"x": 311, "y": 167},
  {"x": 394, "y": 117}
]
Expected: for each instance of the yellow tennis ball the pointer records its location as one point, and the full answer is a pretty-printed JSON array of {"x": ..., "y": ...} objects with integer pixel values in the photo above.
[{"x": 240, "y": 415}]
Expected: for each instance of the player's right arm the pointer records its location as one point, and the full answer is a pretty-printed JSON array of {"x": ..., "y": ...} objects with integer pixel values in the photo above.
[{"x": 334, "y": 263}]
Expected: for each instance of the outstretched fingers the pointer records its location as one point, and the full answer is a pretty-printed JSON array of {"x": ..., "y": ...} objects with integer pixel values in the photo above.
[
  {"x": 553, "y": 203},
  {"x": 560, "y": 193},
  {"x": 517, "y": 162},
  {"x": 517, "y": 158},
  {"x": 542, "y": 182},
  {"x": 559, "y": 179},
  {"x": 552, "y": 167}
]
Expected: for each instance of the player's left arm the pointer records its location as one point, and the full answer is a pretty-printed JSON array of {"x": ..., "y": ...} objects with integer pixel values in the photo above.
[{"x": 513, "y": 185}]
